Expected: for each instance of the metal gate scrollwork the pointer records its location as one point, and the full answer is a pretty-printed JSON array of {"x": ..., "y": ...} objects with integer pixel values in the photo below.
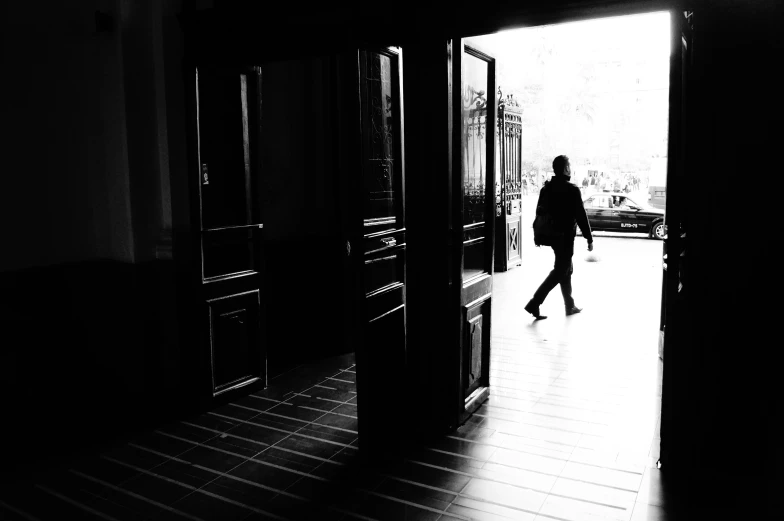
[{"x": 509, "y": 182}]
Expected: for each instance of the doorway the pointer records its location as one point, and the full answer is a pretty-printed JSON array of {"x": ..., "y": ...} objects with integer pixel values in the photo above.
[
  {"x": 335, "y": 242},
  {"x": 582, "y": 389}
]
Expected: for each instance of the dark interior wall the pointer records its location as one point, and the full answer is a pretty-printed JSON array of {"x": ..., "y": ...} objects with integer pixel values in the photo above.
[
  {"x": 66, "y": 162},
  {"x": 297, "y": 166},
  {"x": 86, "y": 278},
  {"x": 144, "y": 77}
]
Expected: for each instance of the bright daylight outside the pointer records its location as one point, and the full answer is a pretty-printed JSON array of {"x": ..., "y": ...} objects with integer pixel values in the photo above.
[{"x": 595, "y": 91}]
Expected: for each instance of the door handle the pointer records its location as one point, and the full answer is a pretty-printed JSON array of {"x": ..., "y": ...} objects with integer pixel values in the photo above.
[
  {"x": 348, "y": 249},
  {"x": 389, "y": 241}
]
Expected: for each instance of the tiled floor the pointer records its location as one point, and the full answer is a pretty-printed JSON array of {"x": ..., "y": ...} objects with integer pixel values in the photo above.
[{"x": 568, "y": 434}]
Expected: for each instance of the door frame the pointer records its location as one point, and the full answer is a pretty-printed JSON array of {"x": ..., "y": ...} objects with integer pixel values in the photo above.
[{"x": 433, "y": 361}]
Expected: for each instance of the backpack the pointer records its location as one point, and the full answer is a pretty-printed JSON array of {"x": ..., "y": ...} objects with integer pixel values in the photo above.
[{"x": 546, "y": 232}]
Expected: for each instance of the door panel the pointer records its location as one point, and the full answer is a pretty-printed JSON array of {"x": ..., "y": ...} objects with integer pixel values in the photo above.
[
  {"x": 475, "y": 352},
  {"x": 474, "y": 106},
  {"x": 234, "y": 340},
  {"x": 224, "y": 148},
  {"x": 227, "y": 109}
]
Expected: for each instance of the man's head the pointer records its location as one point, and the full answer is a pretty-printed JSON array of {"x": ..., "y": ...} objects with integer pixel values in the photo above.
[{"x": 561, "y": 166}]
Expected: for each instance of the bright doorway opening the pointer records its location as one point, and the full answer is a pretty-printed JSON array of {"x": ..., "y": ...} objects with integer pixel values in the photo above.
[{"x": 584, "y": 389}]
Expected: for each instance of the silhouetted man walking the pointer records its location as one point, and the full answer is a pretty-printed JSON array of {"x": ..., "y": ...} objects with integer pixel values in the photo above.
[{"x": 565, "y": 205}]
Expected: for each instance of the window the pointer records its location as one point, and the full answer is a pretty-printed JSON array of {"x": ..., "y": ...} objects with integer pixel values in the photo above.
[
  {"x": 598, "y": 202},
  {"x": 628, "y": 203}
]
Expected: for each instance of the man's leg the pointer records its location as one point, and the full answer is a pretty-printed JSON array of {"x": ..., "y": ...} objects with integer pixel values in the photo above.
[
  {"x": 563, "y": 263},
  {"x": 566, "y": 280},
  {"x": 566, "y": 287}
]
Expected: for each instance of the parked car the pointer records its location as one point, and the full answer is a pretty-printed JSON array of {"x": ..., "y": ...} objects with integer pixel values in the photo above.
[{"x": 617, "y": 212}]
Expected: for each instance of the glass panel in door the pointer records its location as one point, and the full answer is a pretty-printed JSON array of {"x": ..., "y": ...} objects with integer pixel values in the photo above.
[
  {"x": 380, "y": 169},
  {"x": 475, "y": 168}
]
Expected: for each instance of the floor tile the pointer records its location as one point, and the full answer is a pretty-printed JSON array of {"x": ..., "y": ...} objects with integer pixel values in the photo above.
[
  {"x": 158, "y": 488},
  {"x": 517, "y": 477},
  {"x": 210, "y": 506},
  {"x": 603, "y": 476},
  {"x": 484, "y": 511},
  {"x": 580, "y": 510},
  {"x": 264, "y": 434},
  {"x": 237, "y": 445},
  {"x": 524, "y": 461},
  {"x": 433, "y": 476},
  {"x": 265, "y": 474},
  {"x": 503, "y": 494},
  {"x": 113, "y": 473},
  {"x": 416, "y": 494},
  {"x": 186, "y": 473},
  {"x": 595, "y": 493}
]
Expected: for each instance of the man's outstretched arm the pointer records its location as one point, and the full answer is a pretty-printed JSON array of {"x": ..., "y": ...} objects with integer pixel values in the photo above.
[{"x": 582, "y": 221}]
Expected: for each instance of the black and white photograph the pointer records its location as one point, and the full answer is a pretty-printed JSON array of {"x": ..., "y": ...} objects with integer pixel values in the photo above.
[{"x": 390, "y": 261}]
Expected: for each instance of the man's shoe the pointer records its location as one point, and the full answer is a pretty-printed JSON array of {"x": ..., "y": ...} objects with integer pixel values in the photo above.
[
  {"x": 573, "y": 310},
  {"x": 534, "y": 310}
]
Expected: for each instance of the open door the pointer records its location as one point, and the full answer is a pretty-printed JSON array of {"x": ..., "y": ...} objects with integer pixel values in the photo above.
[
  {"x": 474, "y": 108},
  {"x": 673, "y": 331},
  {"x": 372, "y": 206},
  {"x": 227, "y": 304}
]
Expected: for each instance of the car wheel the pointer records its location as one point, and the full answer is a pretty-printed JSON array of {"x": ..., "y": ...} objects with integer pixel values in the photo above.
[{"x": 659, "y": 231}]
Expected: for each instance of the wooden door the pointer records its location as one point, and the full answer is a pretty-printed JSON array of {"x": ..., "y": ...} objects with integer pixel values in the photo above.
[
  {"x": 474, "y": 127},
  {"x": 372, "y": 177},
  {"x": 673, "y": 328},
  {"x": 229, "y": 351}
]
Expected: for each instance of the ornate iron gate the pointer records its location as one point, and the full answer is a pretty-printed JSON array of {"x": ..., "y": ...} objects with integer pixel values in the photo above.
[{"x": 509, "y": 183}]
